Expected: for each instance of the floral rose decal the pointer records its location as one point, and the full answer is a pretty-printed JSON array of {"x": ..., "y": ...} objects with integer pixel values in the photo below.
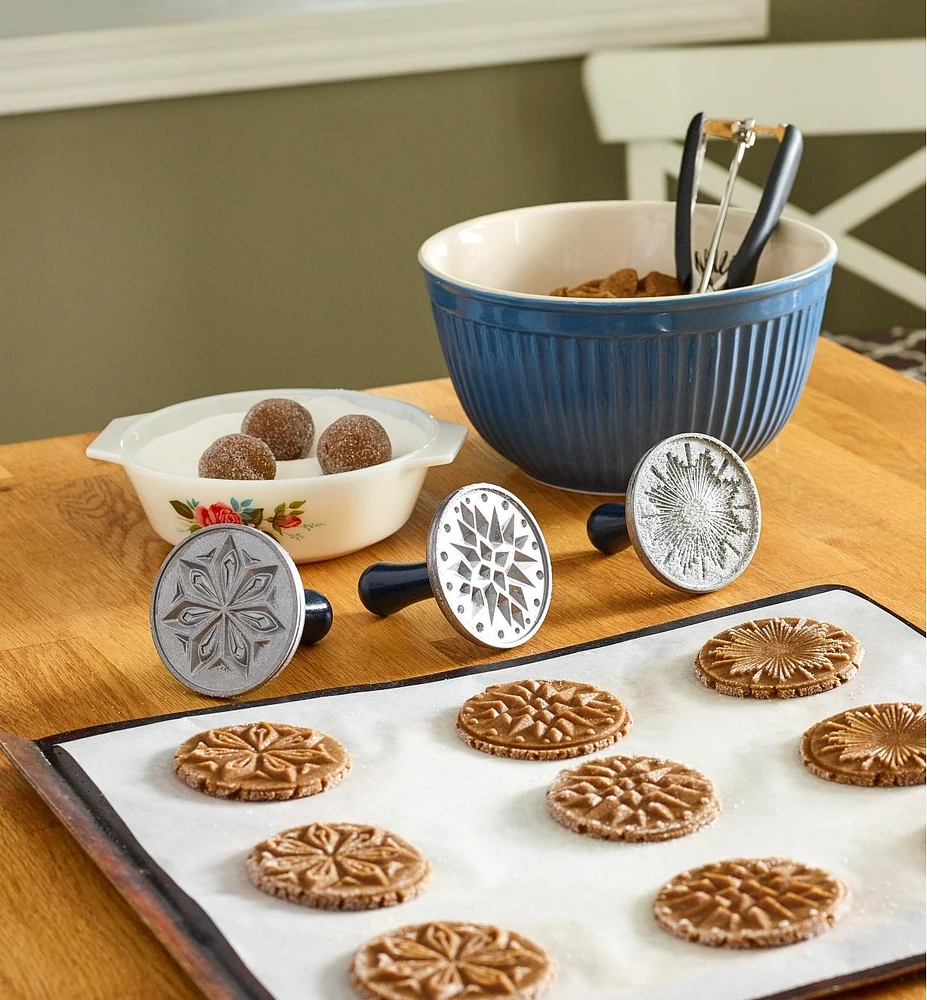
[
  {"x": 216, "y": 513},
  {"x": 287, "y": 521}
]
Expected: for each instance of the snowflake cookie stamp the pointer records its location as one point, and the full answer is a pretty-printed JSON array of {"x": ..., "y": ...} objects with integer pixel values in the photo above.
[
  {"x": 778, "y": 658},
  {"x": 872, "y": 745}
]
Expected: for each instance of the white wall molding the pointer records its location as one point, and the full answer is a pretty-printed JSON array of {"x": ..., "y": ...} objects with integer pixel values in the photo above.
[{"x": 79, "y": 69}]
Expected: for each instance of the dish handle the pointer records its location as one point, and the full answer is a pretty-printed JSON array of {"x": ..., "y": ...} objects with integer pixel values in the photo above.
[
  {"x": 106, "y": 446},
  {"x": 443, "y": 449}
]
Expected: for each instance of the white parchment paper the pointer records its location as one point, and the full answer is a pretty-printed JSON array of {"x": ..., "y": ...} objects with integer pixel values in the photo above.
[{"x": 498, "y": 857}]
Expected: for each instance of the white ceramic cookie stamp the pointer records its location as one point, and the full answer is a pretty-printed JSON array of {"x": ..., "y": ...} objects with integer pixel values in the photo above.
[
  {"x": 691, "y": 512},
  {"x": 486, "y": 565},
  {"x": 228, "y": 610}
]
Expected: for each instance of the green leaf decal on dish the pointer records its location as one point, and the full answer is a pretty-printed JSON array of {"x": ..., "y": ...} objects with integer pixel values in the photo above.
[
  {"x": 296, "y": 503},
  {"x": 182, "y": 509}
]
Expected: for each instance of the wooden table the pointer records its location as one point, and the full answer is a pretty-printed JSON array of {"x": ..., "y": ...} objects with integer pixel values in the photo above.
[{"x": 843, "y": 502}]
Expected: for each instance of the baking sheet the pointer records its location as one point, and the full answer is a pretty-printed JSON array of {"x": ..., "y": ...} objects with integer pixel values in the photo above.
[{"x": 499, "y": 858}]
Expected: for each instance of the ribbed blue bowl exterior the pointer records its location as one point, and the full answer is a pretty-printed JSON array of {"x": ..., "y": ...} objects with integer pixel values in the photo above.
[{"x": 575, "y": 396}]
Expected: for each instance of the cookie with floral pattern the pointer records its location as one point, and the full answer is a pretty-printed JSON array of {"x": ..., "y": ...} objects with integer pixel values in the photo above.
[{"x": 261, "y": 761}]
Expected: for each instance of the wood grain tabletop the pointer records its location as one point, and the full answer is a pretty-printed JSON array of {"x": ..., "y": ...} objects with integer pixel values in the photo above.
[{"x": 842, "y": 490}]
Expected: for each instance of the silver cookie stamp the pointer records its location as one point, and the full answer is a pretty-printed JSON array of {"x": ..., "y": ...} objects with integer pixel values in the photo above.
[
  {"x": 487, "y": 566},
  {"x": 228, "y": 610},
  {"x": 692, "y": 514}
]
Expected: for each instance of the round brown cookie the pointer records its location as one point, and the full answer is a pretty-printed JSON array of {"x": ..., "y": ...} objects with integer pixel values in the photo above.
[
  {"x": 751, "y": 903},
  {"x": 339, "y": 866},
  {"x": 283, "y": 425},
  {"x": 261, "y": 761},
  {"x": 633, "y": 798},
  {"x": 542, "y": 720},
  {"x": 438, "y": 961},
  {"x": 872, "y": 745},
  {"x": 778, "y": 658}
]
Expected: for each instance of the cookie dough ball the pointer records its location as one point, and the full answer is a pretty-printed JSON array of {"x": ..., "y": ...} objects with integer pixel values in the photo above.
[
  {"x": 353, "y": 442},
  {"x": 283, "y": 425},
  {"x": 237, "y": 456}
]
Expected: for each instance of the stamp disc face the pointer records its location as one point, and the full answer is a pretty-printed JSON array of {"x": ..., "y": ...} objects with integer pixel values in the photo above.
[
  {"x": 489, "y": 566},
  {"x": 693, "y": 513},
  {"x": 227, "y": 610}
]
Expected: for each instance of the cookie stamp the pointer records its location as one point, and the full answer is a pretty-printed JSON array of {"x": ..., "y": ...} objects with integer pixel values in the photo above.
[
  {"x": 228, "y": 610},
  {"x": 438, "y": 961},
  {"x": 486, "y": 565},
  {"x": 261, "y": 761},
  {"x": 778, "y": 658},
  {"x": 633, "y": 798},
  {"x": 872, "y": 745},
  {"x": 542, "y": 720},
  {"x": 751, "y": 903},
  {"x": 691, "y": 512},
  {"x": 339, "y": 866}
]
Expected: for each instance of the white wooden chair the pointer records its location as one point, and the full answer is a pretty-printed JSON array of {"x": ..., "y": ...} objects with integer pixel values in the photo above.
[{"x": 645, "y": 98}]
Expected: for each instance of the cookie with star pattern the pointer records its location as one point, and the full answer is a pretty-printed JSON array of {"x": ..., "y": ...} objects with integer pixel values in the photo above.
[
  {"x": 437, "y": 961},
  {"x": 542, "y": 720},
  {"x": 633, "y": 798},
  {"x": 339, "y": 866},
  {"x": 261, "y": 761},
  {"x": 778, "y": 658},
  {"x": 751, "y": 903},
  {"x": 872, "y": 745}
]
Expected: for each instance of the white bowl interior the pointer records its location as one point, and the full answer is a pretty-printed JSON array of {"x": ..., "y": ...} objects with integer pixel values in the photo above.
[
  {"x": 533, "y": 250},
  {"x": 408, "y": 427}
]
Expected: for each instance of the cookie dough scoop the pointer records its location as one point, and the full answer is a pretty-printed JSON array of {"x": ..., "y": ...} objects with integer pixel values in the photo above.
[
  {"x": 691, "y": 513},
  {"x": 486, "y": 564},
  {"x": 228, "y": 610}
]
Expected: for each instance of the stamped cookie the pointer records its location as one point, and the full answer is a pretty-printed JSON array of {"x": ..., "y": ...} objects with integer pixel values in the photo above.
[
  {"x": 261, "y": 761},
  {"x": 633, "y": 798},
  {"x": 339, "y": 866},
  {"x": 751, "y": 903},
  {"x": 542, "y": 720},
  {"x": 872, "y": 745},
  {"x": 778, "y": 658},
  {"x": 438, "y": 961}
]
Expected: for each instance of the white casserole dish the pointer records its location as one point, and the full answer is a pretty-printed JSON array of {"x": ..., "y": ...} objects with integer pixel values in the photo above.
[{"x": 313, "y": 517}]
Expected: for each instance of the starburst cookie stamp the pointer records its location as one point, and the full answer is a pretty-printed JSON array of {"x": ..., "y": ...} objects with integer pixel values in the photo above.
[
  {"x": 339, "y": 866},
  {"x": 450, "y": 959},
  {"x": 751, "y": 903},
  {"x": 778, "y": 658},
  {"x": 633, "y": 798},
  {"x": 542, "y": 720},
  {"x": 872, "y": 745},
  {"x": 261, "y": 761}
]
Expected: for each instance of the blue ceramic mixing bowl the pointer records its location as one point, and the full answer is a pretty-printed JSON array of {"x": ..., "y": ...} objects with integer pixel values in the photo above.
[{"x": 574, "y": 391}]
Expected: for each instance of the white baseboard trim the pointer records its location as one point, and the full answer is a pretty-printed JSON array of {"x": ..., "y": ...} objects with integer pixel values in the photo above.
[{"x": 81, "y": 69}]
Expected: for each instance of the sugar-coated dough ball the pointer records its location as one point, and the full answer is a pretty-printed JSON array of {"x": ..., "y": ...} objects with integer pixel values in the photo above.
[
  {"x": 237, "y": 456},
  {"x": 353, "y": 442},
  {"x": 282, "y": 424}
]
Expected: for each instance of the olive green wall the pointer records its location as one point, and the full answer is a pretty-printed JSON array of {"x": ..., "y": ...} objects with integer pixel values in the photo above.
[{"x": 154, "y": 252}]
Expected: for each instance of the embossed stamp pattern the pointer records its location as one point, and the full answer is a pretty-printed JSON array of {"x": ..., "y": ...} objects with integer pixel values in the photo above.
[
  {"x": 751, "y": 903},
  {"x": 778, "y": 658},
  {"x": 633, "y": 798},
  {"x": 450, "y": 960},
  {"x": 489, "y": 566},
  {"x": 872, "y": 745},
  {"x": 227, "y": 610},
  {"x": 542, "y": 720},
  {"x": 339, "y": 866},
  {"x": 261, "y": 761},
  {"x": 694, "y": 513}
]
